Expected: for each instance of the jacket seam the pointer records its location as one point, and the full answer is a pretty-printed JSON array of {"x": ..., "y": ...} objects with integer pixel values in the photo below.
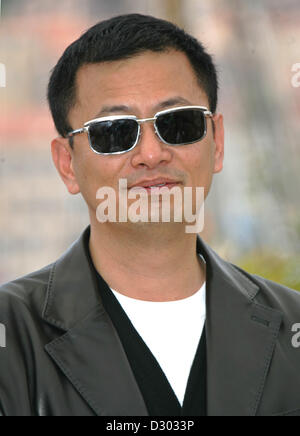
[
  {"x": 289, "y": 412},
  {"x": 49, "y": 294},
  {"x": 82, "y": 390},
  {"x": 274, "y": 330},
  {"x": 243, "y": 275},
  {"x": 267, "y": 309},
  {"x": 49, "y": 300}
]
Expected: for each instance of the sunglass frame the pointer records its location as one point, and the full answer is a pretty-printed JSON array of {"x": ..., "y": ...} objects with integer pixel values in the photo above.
[{"x": 88, "y": 124}]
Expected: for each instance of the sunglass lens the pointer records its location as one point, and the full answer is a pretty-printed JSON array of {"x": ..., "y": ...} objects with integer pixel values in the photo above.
[
  {"x": 113, "y": 136},
  {"x": 181, "y": 127}
]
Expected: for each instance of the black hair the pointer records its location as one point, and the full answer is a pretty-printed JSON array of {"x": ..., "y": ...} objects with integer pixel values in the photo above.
[{"x": 119, "y": 38}]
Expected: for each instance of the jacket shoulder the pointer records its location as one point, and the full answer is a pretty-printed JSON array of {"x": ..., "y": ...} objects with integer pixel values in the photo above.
[
  {"x": 29, "y": 290},
  {"x": 275, "y": 294},
  {"x": 21, "y": 306}
]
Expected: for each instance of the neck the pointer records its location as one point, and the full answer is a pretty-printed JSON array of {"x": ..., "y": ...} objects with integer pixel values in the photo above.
[{"x": 153, "y": 262}]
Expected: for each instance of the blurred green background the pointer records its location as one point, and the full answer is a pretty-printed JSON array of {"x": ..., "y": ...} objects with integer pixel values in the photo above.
[{"x": 279, "y": 269}]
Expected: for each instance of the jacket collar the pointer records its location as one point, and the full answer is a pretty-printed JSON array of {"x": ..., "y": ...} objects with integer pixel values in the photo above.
[
  {"x": 240, "y": 333},
  {"x": 72, "y": 288}
]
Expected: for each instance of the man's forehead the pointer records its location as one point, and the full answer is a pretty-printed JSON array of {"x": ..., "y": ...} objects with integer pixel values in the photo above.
[
  {"x": 164, "y": 104},
  {"x": 144, "y": 69},
  {"x": 146, "y": 82}
]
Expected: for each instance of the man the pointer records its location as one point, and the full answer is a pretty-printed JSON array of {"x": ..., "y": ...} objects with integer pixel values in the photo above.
[{"x": 141, "y": 317}]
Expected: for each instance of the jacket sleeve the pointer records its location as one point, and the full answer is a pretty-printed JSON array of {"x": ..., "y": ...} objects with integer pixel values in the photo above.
[{"x": 15, "y": 384}]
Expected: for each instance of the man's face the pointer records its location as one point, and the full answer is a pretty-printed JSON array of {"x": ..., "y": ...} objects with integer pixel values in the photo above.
[{"x": 139, "y": 86}]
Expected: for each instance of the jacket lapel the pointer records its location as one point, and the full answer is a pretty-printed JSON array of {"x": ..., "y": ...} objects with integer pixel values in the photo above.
[
  {"x": 89, "y": 353},
  {"x": 241, "y": 335}
]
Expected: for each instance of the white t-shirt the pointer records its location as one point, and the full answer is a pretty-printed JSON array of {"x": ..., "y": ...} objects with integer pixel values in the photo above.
[{"x": 171, "y": 330}]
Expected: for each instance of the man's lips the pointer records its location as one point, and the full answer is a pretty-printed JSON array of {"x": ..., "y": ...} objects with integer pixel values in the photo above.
[
  {"x": 155, "y": 183},
  {"x": 167, "y": 185}
]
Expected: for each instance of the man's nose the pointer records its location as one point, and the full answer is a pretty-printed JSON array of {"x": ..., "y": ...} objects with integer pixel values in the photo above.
[{"x": 150, "y": 150}]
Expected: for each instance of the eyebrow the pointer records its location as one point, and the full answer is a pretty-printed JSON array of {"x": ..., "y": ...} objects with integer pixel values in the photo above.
[
  {"x": 123, "y": 108},
  {"x": 172, "y": 102}
]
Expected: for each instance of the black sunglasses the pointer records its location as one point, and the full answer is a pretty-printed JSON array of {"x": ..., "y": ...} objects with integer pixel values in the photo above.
[{"x": 119, "y": 134}]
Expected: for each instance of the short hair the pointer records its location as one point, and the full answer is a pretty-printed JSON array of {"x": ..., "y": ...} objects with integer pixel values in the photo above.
[{"x": 119, "y": 38}]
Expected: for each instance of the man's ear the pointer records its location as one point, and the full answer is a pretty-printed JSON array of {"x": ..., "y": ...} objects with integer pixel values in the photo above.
[
  {"x": 219, "y": 142},
  {"x": 63, "y": 160}
]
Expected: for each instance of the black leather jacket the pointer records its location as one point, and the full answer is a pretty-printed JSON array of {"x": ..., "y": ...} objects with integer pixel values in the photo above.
[{"x": 63, "y": 356}]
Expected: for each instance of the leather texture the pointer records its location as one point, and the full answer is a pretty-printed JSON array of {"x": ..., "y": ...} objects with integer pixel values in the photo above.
[{"x": 63, "y": 356}]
